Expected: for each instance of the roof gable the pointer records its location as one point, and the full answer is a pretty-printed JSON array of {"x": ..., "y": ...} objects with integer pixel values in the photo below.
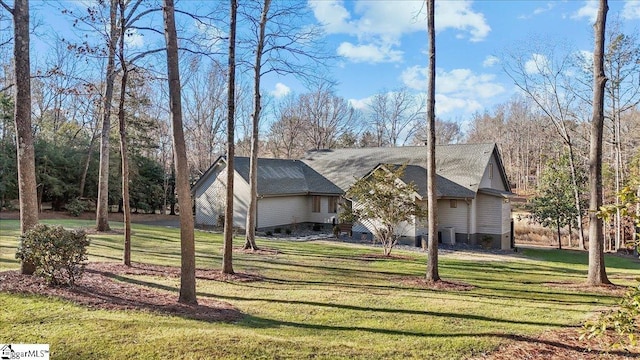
[
  {"x": 459, "y": 167},
  {"x": 284, "y": 177}
]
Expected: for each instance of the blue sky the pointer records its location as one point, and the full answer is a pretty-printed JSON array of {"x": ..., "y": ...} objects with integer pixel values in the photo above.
[{"x": 382, "y": 45}]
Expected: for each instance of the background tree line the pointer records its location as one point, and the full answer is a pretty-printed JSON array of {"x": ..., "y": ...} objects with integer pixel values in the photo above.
[{"x": 545, "y": 123}]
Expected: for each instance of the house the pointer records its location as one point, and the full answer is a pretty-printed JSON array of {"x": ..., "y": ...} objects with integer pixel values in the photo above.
[
  {"x": 472, "y": 190},
  {"x": 290, "y": 193},
  {"x": 471, "y": 185}
]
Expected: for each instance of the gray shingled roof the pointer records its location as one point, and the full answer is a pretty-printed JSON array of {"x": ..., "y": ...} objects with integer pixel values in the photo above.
[
  {"x": 459, "y": 167},
  {"x": 284, "y": 177}
]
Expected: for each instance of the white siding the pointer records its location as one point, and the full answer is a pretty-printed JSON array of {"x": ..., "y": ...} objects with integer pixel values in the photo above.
[
  {"x": 323, "y": 216},
  {"x": 452, "y": 217},
  {"x": 210, "y": 199},
  {"x": 283, "y": 210},
  {"x": 492, "y": 178},
  {"x": 489, "y": 214}
]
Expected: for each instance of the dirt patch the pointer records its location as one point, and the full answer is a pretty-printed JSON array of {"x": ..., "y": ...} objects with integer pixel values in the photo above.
[
  {"x": 559, "y": 344},
  {"x": 611, "y": 289},
  {"x": 99, "y": 288},
  {"x": 436, "y": 285},
  {"x": 485, "y": 255},
  {"x": 370, "y": 257},
  {"x": 260, "y": 251}
]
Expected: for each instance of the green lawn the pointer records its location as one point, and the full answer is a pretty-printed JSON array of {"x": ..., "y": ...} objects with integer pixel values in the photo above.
[{"x": 317, "y": 300}]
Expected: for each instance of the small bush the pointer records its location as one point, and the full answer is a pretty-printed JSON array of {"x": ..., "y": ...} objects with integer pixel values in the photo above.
[
  {"x": 486, "y": 242},
  {"x": 287, "y": 231},
  {"x": 77, "y": 206},
  {"x": 220, "y": 220},
  {"x": 317, "y": 227},
  {"x": 57, "y": 254},
  {"x": 269, "y": 233},
  {"x": 623, "y": 323},
  {"x": 277, "y": 230},
  {"x": 336, "y": 231}
]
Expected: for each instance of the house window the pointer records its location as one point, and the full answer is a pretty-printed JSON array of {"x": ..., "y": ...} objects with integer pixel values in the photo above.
[
  {"x": 315, "y": 206},
  {"x": 333, "y": 204},
  {"x": 453, "y": 203}
]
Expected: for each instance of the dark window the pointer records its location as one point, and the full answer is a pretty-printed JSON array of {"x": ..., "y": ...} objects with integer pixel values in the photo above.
[
  {"x": 315, "y": 206},
  {"x": 453, "y": 203},
  {"x": 333, "y": 204}
]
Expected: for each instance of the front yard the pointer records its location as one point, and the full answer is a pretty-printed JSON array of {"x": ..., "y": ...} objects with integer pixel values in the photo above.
[{"x": 318, "y": 299}]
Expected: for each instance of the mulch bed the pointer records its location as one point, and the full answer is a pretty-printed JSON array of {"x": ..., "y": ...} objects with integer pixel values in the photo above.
[
  {"x": 422, "y": 283},
  {"x": 558, "y": 344},
  {"x": 99, "y": 288}
]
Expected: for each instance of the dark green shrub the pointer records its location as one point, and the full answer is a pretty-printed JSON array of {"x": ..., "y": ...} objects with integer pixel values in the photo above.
[
  {"x": 277, "y": 230},
  {"x": 287, "y": 231},
  {"x": 57, "y": 254},
  {"x": 269, "y": 233},
  {"x": 77, "y": 206},
  {"x": 317, "y": 227}
]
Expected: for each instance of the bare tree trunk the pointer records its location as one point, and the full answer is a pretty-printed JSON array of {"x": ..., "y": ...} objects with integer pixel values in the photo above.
[
  {"x": 22, "y": 117},
  {"x": 102, "y": 208},
  {"x": 576, "y": 194},
  {"x": 597, "y": 273},
  {"x": 85, "y": 171},
  {"x": 432, "y": 252},
  {"x": 559, "y": 236},
  {"x": 124, "y": 154},
  {"x": 227, "y": 258},
  {"x": 187, "y": 242},
  {"x": 253, "y": 168}
]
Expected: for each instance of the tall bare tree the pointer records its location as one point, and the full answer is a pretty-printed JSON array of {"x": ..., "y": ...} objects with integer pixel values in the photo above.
[
  {"x": 280, "y": 42},
  {"x": 102, "y": 207},
  {"x": 543, "y": 76},
  {"x": 257, "y": 104},
  {"x": 22, "y": 119},
  {"x": 187, "y": 241},
  {"x": 597, "y": 272},
  {"x": 126, "y": 207},
  {"x": 432, "y": 206},
  {"x": 227, "y": 257},
  {"x": 395, "y": 116}
]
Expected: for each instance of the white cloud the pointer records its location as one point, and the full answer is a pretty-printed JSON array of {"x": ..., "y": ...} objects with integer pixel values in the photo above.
[
  {"x": 536, "y": 63},
  {"x": 448, "y": 104},
  {"x": 459, "y": 15},
  {"x": 456, "y": 89},
  {"x": 133, "y": 38},
  {"x": 281, "y": 90},
  {"x": 490, "y": 61},
  {"x": 368, "y": 53},
  {"x": 631, "y": 10},
  {"x": 539, "y": 10},
  {"x": 381, "y": 24},
  {"x": 589, "y": 10},
  {"x": 360, "y": 104}
]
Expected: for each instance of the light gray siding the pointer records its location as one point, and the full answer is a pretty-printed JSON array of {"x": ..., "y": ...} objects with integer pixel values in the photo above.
[
  {"x": 324, "y": 216},
  {"x": 282, "y": 210},
  {"x": 453, "y": 217},
  {"x": 491, "y": 177},
  {"x": 210, "y": 199},
  {"x": 489, "y": 214}
]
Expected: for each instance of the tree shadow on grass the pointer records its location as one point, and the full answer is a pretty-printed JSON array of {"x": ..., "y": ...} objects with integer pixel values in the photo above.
[
  {"x": 570, "y": 346},
  {"x": 98, "y": 289}
]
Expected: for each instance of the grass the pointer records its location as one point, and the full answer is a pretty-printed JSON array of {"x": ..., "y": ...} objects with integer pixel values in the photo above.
[{"x": 317, "y": 300}]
